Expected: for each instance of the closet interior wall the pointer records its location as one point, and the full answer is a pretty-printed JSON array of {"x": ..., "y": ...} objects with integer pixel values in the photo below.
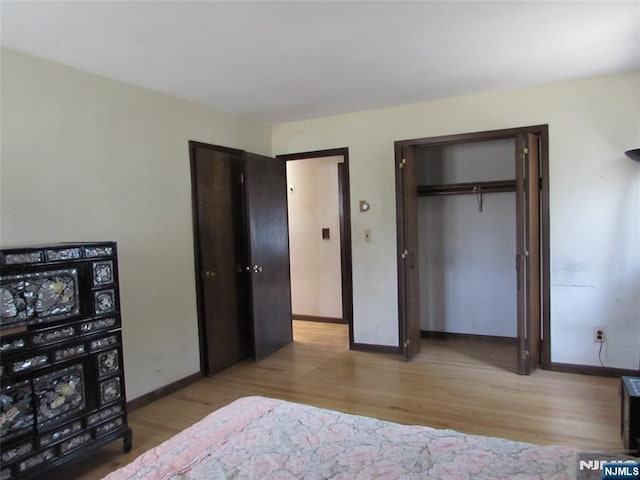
[{"x": 467, "y": 240}]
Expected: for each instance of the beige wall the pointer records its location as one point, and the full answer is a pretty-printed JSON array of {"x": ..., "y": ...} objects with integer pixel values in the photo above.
[
  {"x": 85, "y": 158},
  {"x": 316, "y": 288},
  {"x": 594, "y": 196}
]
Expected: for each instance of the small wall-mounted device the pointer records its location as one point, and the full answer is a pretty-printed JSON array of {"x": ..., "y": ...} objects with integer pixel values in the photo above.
[
  {"x": 325, "y": 234},
  {"x": 364, "y": 206}
]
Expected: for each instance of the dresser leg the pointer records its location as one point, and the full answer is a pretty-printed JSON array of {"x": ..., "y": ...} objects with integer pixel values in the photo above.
[{"x": 128, "y": 441}]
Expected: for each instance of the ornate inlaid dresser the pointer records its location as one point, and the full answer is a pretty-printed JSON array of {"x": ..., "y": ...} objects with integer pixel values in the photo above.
[{"x": 62, "y": 373}]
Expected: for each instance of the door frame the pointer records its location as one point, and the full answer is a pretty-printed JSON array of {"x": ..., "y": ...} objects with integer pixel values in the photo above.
[
  {"x": 344, "y": 203},
  {"x": 542, "y": 131}
]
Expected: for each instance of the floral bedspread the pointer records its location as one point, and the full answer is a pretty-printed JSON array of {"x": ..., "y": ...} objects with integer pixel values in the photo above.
[{"x": 263, "y": 438}]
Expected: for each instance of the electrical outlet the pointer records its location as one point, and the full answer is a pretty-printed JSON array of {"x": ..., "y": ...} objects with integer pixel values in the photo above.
[{"x": 598, "y": 335}]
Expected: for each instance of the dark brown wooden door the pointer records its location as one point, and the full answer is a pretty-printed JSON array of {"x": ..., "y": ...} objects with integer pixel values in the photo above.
[
  {"x": 225, "y": 334},
  {"x": 408, "y": 254},
  {"x": 265, "y": 184},
  {"x": 528, "y": 251}
]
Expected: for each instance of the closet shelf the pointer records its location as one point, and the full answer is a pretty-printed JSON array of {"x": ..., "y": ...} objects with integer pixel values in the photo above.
[{"x": 467, "y": 188}]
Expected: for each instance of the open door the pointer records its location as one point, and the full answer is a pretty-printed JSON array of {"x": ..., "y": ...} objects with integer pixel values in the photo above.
[
  {"x": 528, "y": 251},
  {"x": 408, "y": 275},
  {"x": 268, "y": 252},
  {"x": 241, "y": 247},
  {"x": 223, "y": 314}
]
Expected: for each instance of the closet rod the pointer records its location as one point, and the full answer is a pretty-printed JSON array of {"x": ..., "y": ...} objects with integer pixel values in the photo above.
[{"x": 467, "y": 188}]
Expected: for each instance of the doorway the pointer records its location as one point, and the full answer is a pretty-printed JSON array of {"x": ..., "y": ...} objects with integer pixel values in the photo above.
[
  {"x": 320, "y": 236},
  {"x": 423, "y": 171}
]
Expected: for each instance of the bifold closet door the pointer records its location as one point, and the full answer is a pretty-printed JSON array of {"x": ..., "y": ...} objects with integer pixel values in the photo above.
[
  {"x": 265, "y": 182},
  {"x": 407, "y": 202},
  {"x": 528, "y": 251}
]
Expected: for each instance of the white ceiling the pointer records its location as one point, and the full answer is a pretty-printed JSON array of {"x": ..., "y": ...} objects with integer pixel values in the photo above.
[{"x": 283, "y": 61}]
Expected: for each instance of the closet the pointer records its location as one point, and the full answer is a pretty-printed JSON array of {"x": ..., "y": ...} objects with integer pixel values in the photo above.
[
  {"x": 241, "y": 248},
  {"x": 467, "y": 238},
  {"x": 473, "y": 238}
]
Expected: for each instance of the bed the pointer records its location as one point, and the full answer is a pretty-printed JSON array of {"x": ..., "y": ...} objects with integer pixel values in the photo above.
[{"x": 262, "y": 438}]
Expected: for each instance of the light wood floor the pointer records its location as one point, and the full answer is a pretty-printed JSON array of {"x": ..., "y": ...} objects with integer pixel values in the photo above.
[{"x": 465, "y": 385}]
